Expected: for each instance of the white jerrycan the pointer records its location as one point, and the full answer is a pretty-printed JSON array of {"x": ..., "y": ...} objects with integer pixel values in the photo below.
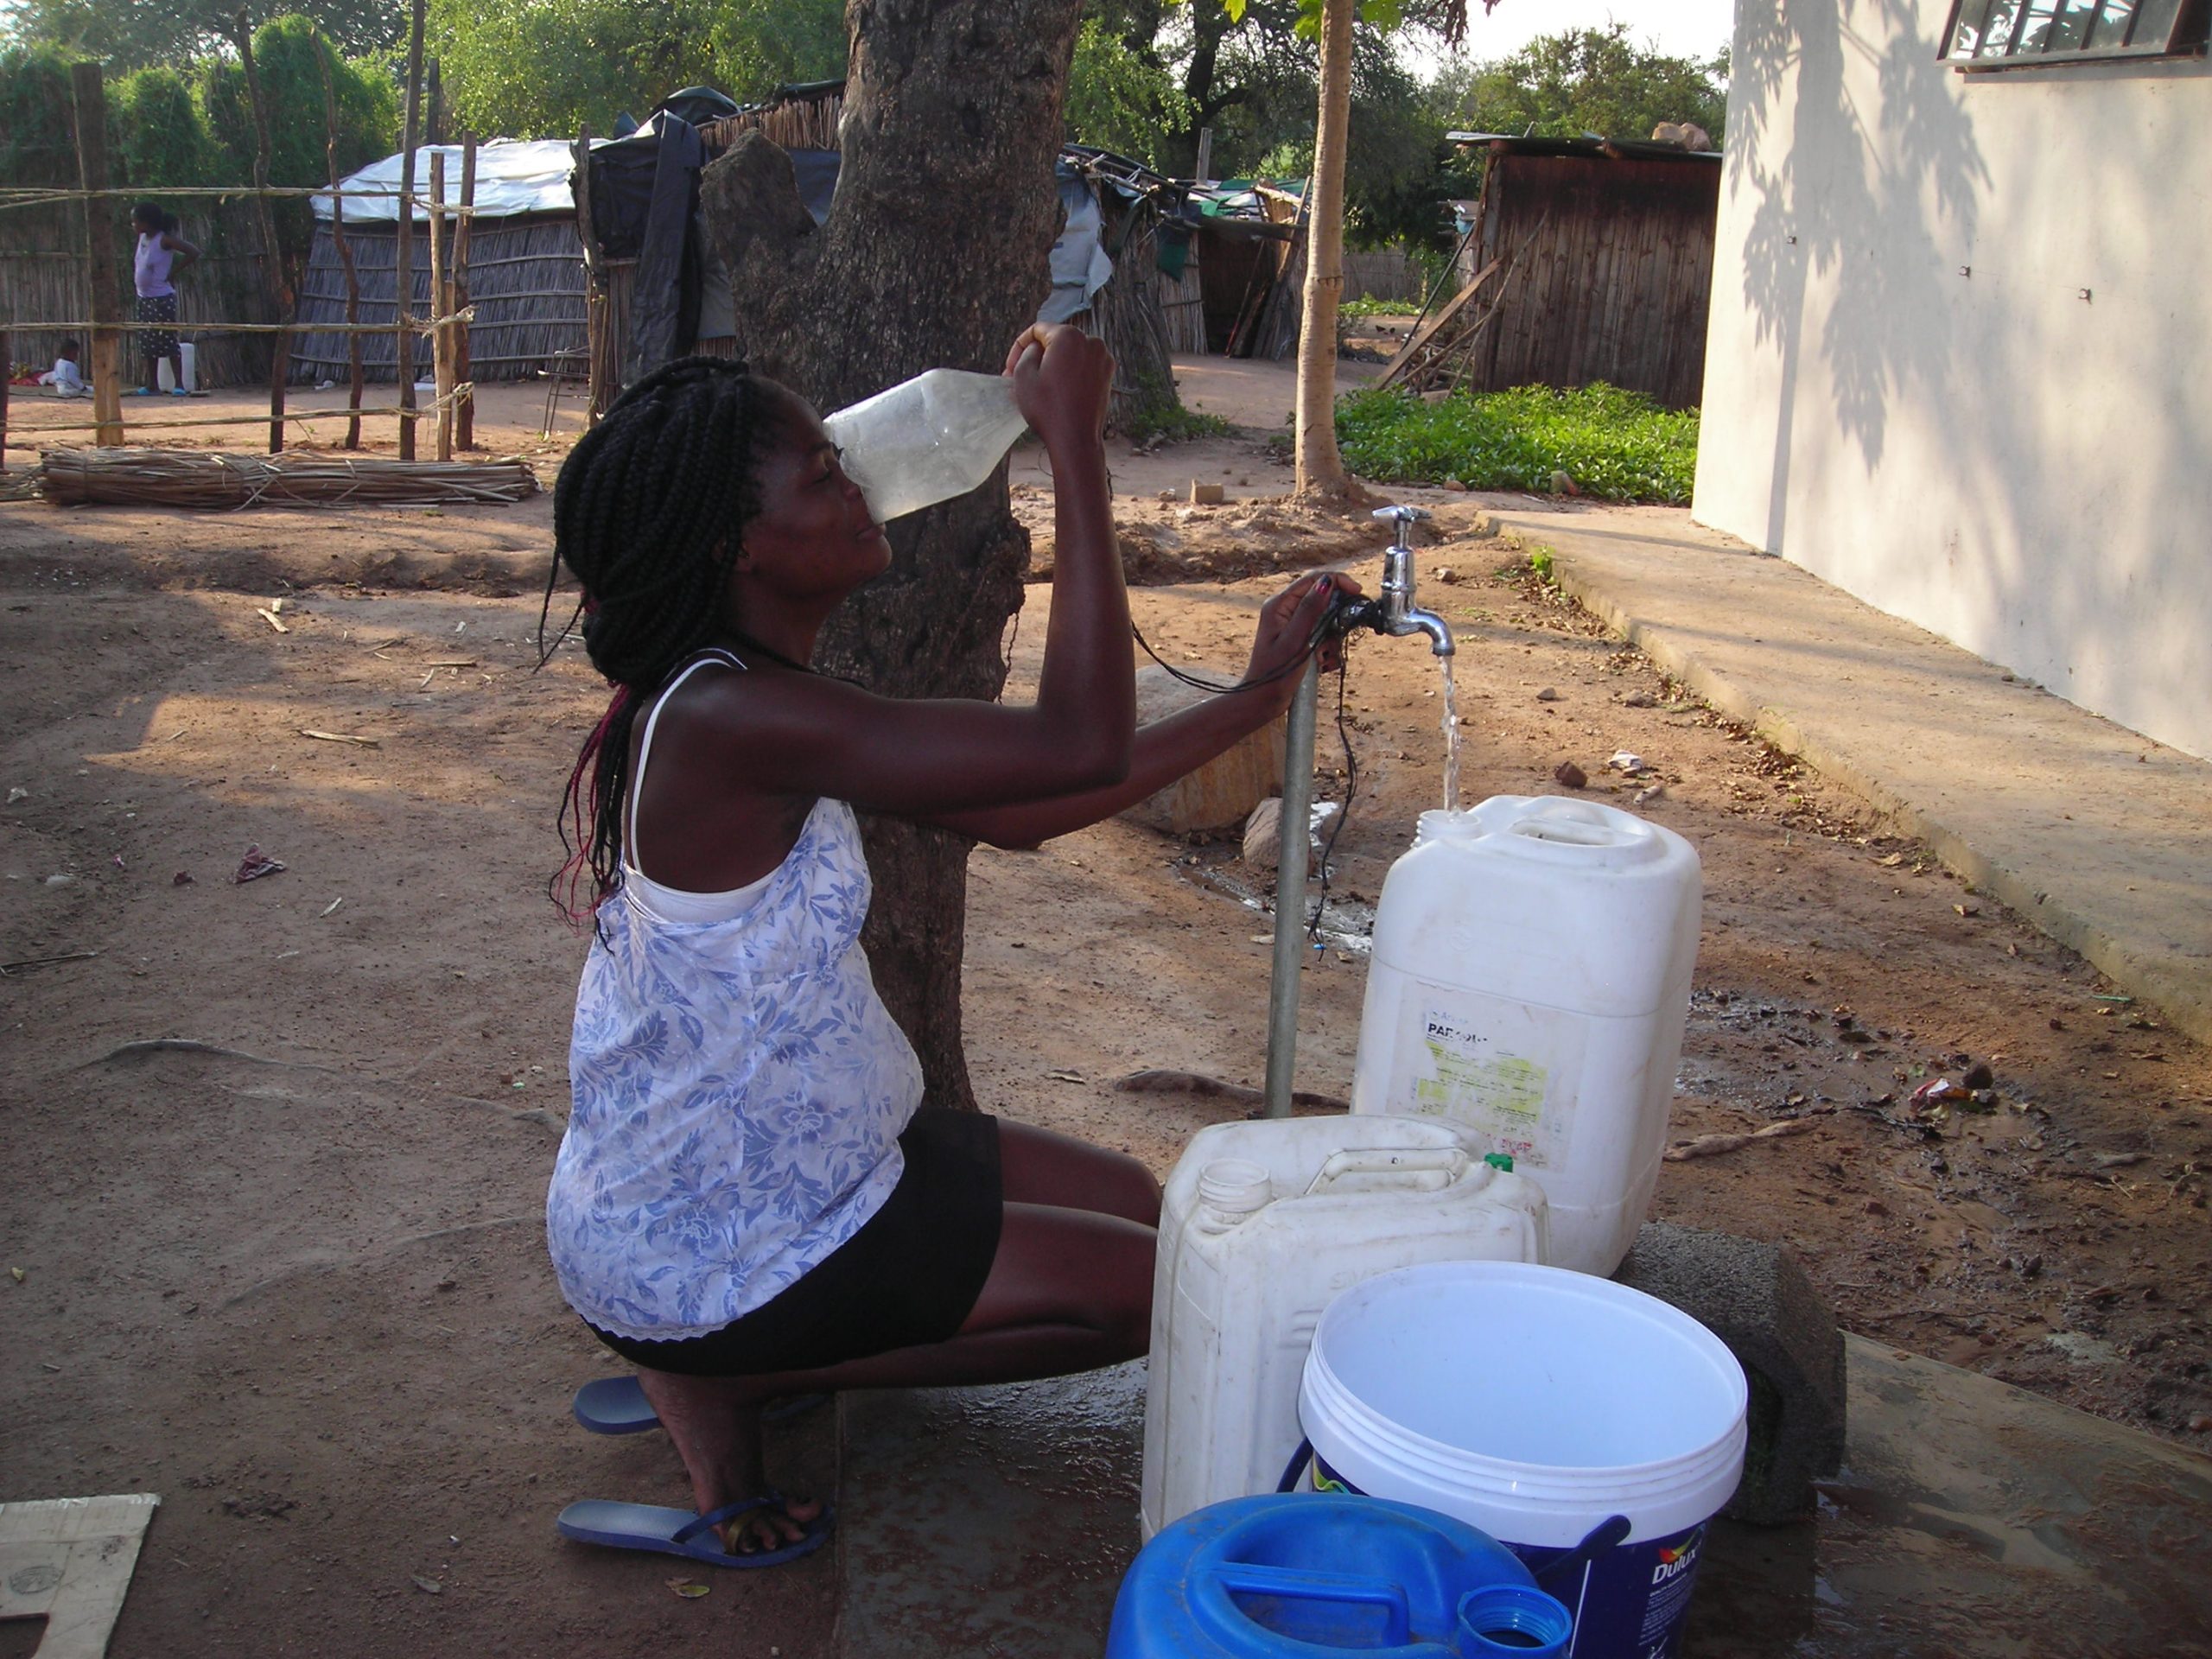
[
  {"x": 1530, "y": 981},
  {"x": 1261, "y": 1224}
]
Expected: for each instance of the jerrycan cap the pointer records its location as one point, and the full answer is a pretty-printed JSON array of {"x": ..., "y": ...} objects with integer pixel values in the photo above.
[
  {"x": 1235, "y": 1186},
  {"x": 1499, "y": 1160}
]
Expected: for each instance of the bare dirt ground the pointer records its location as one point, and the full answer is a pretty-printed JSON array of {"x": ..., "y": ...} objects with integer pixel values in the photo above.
[{"x": 287, "y": 1271}]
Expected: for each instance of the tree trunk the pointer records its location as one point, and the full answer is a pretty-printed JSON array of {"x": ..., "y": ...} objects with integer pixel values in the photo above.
[
  {"x": 933, "y": 256},
  {"x": 1321, "y": 468}
]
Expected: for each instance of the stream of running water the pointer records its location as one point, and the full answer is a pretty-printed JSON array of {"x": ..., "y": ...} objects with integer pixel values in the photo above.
[{"x": 1451, "y": 737}]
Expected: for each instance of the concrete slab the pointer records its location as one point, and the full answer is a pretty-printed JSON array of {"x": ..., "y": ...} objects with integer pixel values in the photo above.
[
  {"x": 2099, "y": 836},
  {"x": 1973, "y": 1521},
  {"x": 987, "y": 1524}
]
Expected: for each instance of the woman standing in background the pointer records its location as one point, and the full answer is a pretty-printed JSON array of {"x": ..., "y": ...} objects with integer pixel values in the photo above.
[{"x": 161, "y": 255}]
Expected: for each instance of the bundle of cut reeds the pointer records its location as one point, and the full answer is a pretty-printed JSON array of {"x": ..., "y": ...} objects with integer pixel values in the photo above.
[{"x": 182, "y": 477}]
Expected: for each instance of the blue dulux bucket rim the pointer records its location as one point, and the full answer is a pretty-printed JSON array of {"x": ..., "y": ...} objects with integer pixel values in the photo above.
[{"x": 1561, "y": 1347}]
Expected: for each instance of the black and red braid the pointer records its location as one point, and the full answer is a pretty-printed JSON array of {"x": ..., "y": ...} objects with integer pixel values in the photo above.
[{"x": 647, "y": 515}]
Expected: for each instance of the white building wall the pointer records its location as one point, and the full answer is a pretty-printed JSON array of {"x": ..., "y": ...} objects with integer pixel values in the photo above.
[{"x": 1960, "y": 361}]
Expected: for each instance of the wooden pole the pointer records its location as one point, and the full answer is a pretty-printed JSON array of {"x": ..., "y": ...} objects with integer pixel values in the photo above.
[
  {"x": 464, "y": 420},
  {"x": 273, "y": 273},
  {"x": 404, "y": 248},
  {"x": 344, "y": 248},
  {"x": 91, "y": 99},
  {"x": 598, "y": 390},
  {"x": 441, "y": 333},
  {"x": 7, "y": 369}
]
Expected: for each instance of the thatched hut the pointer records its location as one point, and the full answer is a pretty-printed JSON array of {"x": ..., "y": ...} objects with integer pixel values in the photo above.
[{"x": 525, "y": 265}]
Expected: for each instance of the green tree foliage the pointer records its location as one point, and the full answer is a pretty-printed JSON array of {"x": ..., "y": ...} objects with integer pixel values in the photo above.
[
  {"x": 290, "y": 58},
  {"x": 1121, "y": 100},
  {"x": 1249, "y": 72},
  {"x": 37, "y": 146},
  {"x": 126, "y": 35},
  {"x": 158, "y": 140},
  {"x": 1589, "y": 81},
  {"x": 547, "y": 68}
]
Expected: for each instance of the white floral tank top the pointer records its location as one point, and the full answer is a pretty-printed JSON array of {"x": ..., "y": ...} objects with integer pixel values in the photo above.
[{"x": 739, "y": 1088}]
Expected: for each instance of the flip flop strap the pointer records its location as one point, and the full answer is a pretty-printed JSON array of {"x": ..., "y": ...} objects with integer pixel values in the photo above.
[{"x": 690, "y": 1529}]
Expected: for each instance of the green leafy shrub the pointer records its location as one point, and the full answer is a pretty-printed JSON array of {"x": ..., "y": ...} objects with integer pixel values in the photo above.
[
  {"x": 38, "y": 144},
  {"x": 158, "y": 139},
  {"x": 1615, "y": 445},
  {"x": 1170, "y": 422}
]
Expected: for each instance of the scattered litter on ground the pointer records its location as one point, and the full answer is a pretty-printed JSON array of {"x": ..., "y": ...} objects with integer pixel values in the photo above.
[
  {"x": 1939, "y": 1091},
  {"x": 14, "y": 795},
  {"x": 428, "y": 1586},
  {"x": 1570, "y": 774},
  {"x": 1059, "y": 1076},
  {"x": 1625, "y": 760},
  {"x": 689, "y": 1589},
  {"x": 255, "y": 865},
  {"x": 182, "y": 879},
  {"x": 331, "y": 908},
  {"x": 347, "y": 737}
]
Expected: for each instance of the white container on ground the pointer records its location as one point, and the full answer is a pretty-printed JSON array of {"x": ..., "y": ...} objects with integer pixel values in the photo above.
[
  {"x": 1535, "y": 1403},
  {"x": 1261, "y": 1224},
  {"x": 165, "y": 375},
  {"x": 1530, "y": 981}
]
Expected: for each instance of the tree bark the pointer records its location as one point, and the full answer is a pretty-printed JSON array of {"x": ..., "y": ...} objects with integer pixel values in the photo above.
[
  {"x": 933, "y": 256},
  {"x": 1320, "y": 470}
]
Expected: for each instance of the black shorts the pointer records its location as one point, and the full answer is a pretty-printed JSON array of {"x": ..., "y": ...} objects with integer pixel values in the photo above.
[{"x": 908, "y": 1278}]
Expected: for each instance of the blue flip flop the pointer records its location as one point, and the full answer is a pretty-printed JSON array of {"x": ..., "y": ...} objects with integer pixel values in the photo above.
[
  {"x": 679, "y": 1532},
  {"x": 616, "y": 1405}
]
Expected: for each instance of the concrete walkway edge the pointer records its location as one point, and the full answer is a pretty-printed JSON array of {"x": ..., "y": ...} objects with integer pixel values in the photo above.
[{"x": 1761, "y": 641}]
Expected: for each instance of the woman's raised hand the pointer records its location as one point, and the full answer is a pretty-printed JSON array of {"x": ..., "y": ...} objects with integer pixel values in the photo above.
[
  {"x": 1284, "y": 636},
  {"x": 1061, "y": 378}
]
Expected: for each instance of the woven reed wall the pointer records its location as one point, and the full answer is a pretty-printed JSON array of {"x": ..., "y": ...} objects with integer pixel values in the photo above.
[
  {"x": 525, "y": 279},
  {"x": 1384, "y": 274},
  {"x": 43, "y": 278}
]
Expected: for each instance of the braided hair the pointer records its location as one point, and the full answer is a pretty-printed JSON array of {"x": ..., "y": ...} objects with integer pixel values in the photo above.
[{"x": 647, "y": 514}]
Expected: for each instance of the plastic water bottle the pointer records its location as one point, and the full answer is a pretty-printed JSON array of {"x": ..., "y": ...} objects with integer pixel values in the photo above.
[{"x": 926, "y": 440}]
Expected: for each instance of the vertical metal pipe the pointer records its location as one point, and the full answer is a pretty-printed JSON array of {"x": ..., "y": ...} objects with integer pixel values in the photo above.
[{"x": 1290, "y": 891}]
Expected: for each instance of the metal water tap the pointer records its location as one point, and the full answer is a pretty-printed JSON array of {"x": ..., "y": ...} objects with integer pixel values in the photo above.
[{"x": 1399, "y": 615}]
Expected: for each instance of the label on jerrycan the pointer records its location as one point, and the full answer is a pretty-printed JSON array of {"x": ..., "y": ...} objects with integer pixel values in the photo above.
[{"x": 1508, "y": 1070}]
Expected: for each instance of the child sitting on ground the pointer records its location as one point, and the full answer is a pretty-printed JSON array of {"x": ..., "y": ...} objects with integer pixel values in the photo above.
[{"x": 65, "y": 378}]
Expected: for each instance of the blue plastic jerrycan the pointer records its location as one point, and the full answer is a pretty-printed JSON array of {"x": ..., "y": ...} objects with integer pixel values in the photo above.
[{"x": 1294, "y": 1575}]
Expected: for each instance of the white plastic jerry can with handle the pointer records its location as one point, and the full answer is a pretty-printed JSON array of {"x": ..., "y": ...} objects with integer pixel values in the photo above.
[
  {"x": 1262, "y": 1225},
  {"x": 1529, "y": 982}
]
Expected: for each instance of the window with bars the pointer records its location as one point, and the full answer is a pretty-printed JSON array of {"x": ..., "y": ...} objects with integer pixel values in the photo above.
[{"x": 2020, "y": 34}]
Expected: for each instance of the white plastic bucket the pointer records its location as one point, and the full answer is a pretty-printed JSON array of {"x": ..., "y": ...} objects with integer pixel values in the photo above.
[{"x": 1534, "y": 1403}]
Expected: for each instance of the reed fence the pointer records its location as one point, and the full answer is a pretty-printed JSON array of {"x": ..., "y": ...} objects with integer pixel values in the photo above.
[
  {"x": 525, "y": 286},
  {"x": 45, "y": 278}
]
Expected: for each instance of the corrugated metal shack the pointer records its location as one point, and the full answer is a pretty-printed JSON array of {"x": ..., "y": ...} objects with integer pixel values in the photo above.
[{"x": 1604, "y": 256}]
